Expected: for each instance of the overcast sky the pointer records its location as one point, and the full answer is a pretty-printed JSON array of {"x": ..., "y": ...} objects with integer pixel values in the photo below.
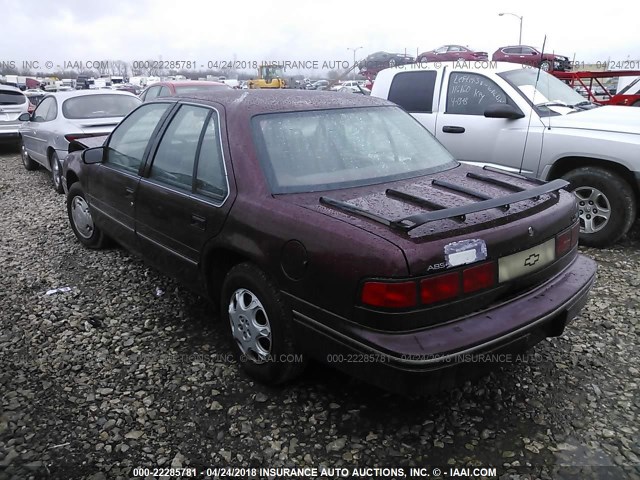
[{"x": 80, "y": 30}]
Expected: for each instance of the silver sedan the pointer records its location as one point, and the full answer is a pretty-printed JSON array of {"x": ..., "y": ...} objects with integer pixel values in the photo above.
[{"x": 65, "y": 116}]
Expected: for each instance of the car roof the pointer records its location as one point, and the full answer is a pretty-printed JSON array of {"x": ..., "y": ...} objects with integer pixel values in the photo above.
[
  {"x": 84, "y": 93},
  {"x": 10, "y": 88},
  {"x": 187, "y": 83},
  {"x": 248, "y": 103}
]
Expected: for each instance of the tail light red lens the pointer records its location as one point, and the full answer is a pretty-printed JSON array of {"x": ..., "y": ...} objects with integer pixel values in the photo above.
[
  {"x": 566, "y": 240},
  {"x": 390, "y": 295},
  {"x": 439, "y": 288},
  {"x": 479, "y": 277},
  {"x": 75, "y": 136},
  {"x": 563, "y": 243}
]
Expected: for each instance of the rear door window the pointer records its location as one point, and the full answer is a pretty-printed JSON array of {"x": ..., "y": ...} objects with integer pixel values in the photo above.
[
  {"x": 175, "y": 158},
  {"x": 211, "y": 177},
  {"x": 413, "y": 91}
]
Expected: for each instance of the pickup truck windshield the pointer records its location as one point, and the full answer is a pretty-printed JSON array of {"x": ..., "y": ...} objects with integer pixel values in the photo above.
[
  {"x": 339, "y": 148},
  {"x": 546, "y": 90}
]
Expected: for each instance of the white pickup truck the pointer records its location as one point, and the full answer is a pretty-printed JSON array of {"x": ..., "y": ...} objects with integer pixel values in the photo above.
[{"x": 528, "y": 121}]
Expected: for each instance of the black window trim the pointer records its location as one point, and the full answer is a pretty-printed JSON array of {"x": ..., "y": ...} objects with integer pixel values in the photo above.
[{"x": 150, "y": 154}]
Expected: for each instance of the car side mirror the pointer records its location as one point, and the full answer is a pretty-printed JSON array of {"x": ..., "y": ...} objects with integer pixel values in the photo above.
[
  {"x": 93, "y": 155},
  {"x": 24, "y": 117},
  {"x": 503, "y": 110}
]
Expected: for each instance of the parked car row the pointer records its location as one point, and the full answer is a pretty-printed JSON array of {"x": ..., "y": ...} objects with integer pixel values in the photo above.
[
  {"x": 333, "y": 226},
  {"x": 521, "y": 54},
  {"x": 60, "y": 118},
  {"x": 398, "y": 251}
]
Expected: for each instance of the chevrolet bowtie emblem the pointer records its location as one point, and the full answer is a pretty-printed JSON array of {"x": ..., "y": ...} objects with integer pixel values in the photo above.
[{"x": 531, "y": 260}]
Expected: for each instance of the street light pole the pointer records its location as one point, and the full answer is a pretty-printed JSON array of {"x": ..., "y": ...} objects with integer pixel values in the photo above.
[
  {"x": 354, "y": 60},
  {"x": 518, "y": 17}
]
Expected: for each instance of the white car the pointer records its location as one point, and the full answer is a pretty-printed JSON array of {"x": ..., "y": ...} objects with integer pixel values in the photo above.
[
  {"x": 528, "y": 121},
  {"x": 63, "y": 117},
  {"x": 13, "y": 103}
]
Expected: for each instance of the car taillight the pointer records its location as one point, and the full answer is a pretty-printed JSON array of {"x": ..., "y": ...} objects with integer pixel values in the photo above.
[
  {"x": 566, "y": 240},
  {"x": 441, "y": 287},
  {"x": 75, "y": 136},
  {"x": 390, "y": 295},
  {"x": 478, "y": 277}
]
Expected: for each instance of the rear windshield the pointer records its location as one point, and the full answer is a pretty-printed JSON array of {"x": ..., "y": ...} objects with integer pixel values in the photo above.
[
  {"x": 99, "y": 106},
  {"x": 340, "y": 148},
  {"x": 12, "y": 98},
  {"x": 200, "y": 88}
]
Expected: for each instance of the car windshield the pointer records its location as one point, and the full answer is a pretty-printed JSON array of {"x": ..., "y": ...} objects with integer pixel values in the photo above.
[
  {"x": 8, "y": 97},
  {"x": 545, "y": 91},
  {"x": 99, "y": 106},
  {"x": 340, "y": 148},
  {"x": 199, "y": 88}
]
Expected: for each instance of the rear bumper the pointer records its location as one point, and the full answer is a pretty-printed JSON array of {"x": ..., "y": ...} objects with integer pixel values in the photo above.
[
  {"x": 442, "y": 356},
  {"x": 10, "y": 132}
]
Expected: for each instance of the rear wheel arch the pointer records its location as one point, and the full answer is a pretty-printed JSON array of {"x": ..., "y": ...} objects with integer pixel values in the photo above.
[
  {"x": 607, "y": 195},
  {"x": 216, "y": 263},
  {"x": 564, "y": 165},
  {"x": 50, "y": 151},
  {"x": 71, "y": 178}
]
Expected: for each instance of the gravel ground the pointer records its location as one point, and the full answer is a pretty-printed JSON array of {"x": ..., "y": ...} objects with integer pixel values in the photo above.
[{"x": 127, "y": 369}]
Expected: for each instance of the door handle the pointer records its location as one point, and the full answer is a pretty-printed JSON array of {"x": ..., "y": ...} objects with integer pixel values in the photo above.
[
  {"x": 128, "y": 193},
  {"x": 451, "y": 129},
  {"x": 198, "y": 222}
]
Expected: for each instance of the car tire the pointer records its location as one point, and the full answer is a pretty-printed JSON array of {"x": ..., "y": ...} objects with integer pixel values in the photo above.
[
  {"x": 606, "y": 203},
  {"x": 545, "y": 65},
  {"x": 261, "y": 337},
  {"x": 56, "y": 173},
  {"x": 636, "y": 103},
  {"x": 81, "y": 220},
  {"x": 27, "y": 161}
]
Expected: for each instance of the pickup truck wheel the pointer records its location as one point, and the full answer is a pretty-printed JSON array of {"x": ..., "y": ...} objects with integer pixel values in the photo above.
[
  {"x": 27, "y": 161},
  {"x": 56, "y": 173},
  {"x": 606, "y": 204},
  {"x": 260, "y": 325},
  {"x": 545, "y": 65},
  {"x": 82, "y": 224}
]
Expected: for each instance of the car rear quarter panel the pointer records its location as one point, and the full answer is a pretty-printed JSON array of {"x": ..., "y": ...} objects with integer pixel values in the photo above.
[{"x": 260, "y": 227}]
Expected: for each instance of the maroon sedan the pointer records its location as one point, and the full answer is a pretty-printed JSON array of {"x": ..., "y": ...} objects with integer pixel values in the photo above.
[
  {"x": 170, "y": 89},
  {"x": 448, "y": 53},
  {"x": 335, "y": 227},
  {"x": 530, "y": 56}
]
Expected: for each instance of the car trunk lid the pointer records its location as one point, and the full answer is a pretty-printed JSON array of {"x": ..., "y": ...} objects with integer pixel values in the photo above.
[{"x": 496, "y": 213}]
